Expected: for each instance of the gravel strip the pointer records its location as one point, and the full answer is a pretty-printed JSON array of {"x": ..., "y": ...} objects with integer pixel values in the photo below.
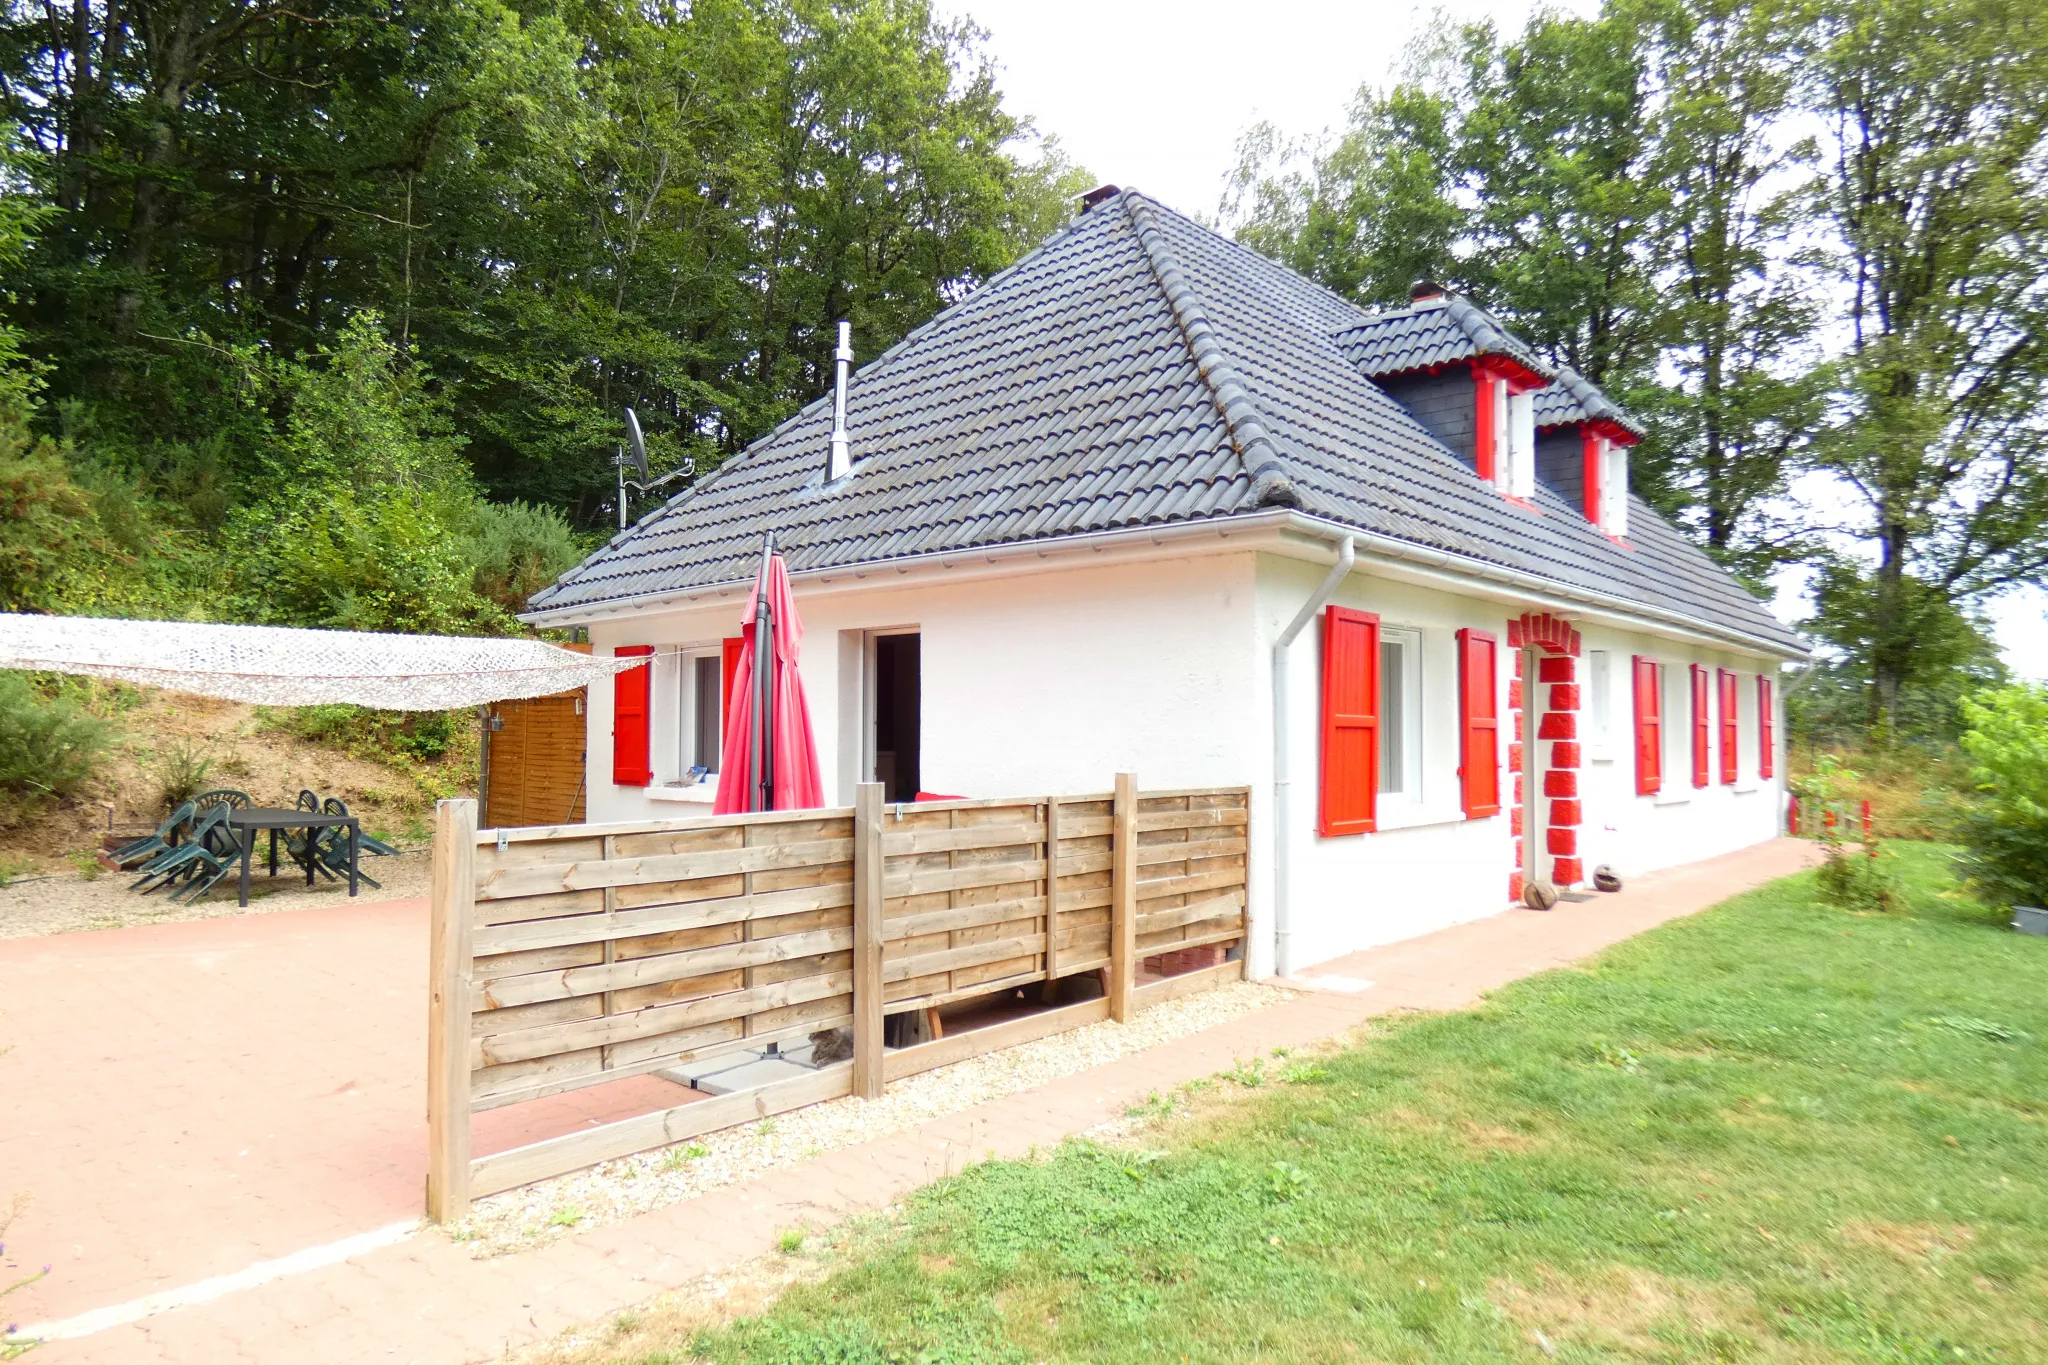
[
  {"x": 530, "y": 1216},
  {"x": 67, "y": 903}
]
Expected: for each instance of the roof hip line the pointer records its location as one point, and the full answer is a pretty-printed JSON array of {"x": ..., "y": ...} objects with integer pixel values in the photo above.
[{"x": 1271, "y": 485}]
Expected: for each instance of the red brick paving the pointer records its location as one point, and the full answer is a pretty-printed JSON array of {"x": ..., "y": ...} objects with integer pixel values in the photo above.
[{"x": 157, "y": 1164}]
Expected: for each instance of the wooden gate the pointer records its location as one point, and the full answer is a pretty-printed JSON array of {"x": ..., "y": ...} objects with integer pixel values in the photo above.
[{"x": 533, "y": 761}]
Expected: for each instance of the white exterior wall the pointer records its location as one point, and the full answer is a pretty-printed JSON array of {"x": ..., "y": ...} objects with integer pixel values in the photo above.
[
  {"x": 1053, "y": 680},
  {"x": 1031, "y": 683},
  {"x": 1426, "y": 866},
  {"x": 1681, "y": 823}
]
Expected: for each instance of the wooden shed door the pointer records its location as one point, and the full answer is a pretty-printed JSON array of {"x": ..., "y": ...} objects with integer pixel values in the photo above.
[{"x": 533, "y": 761}]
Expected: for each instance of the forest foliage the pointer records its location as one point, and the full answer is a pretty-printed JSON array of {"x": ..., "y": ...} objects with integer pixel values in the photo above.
[
  {"x": 1805, "y": 240},
  {"x": 323, "y": 313}
]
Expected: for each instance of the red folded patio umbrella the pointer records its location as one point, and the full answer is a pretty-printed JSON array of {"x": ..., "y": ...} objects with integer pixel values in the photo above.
[{"x": 771, "y": 765}]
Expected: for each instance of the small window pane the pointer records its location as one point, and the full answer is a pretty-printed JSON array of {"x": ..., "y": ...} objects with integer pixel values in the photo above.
[
  {"x": 1603, "y": 691},
  {"x": 710, "y": 683},
  {"x": 1393, "y": 714}
]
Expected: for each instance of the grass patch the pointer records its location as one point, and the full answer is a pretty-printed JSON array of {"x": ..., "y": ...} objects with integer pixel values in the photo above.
[{"x": 1772, "y": 1132}]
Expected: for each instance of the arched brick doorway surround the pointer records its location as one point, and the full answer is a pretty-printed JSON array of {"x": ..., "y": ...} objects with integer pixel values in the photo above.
[{"x": 1553, "y": 755}]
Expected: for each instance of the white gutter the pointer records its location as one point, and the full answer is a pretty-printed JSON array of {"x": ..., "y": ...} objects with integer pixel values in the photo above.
[
  {"x": 1415, "y": 561},
  {"x": 1459, "y": 572},
  {"x": 1283, "y": 819}
]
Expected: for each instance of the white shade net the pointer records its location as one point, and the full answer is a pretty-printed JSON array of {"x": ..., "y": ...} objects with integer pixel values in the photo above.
[{"x": 283, "y": 666}]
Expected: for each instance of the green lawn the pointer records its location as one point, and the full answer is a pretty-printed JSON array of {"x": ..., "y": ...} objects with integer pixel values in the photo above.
[{"x": 1773, "y": 1132}]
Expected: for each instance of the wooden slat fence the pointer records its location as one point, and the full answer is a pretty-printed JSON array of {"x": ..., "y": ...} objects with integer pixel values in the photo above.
[{"x": 575, "y": 955}]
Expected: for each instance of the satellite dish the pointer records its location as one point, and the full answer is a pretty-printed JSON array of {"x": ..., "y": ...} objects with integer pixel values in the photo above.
[{"x": 636, "y": 444}]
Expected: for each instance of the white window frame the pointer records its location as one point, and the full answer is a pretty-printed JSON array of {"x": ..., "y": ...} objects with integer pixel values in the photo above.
[
  {"x": 1613, "y": 487},
  {"x": 675, "y": 686},
  {"x": 1520, "y": 432},
  {"x": 1674, "y": 685},
  {"x": 1600, "y": 704},
  {"x": 1746, "y": 733},
  {"x": 1409, "y": 640},
  {"x": 1503, "y": 444}
]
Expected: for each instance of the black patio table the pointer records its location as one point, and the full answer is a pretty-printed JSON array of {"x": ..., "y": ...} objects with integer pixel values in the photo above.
[{"x": 246, "y": 822}]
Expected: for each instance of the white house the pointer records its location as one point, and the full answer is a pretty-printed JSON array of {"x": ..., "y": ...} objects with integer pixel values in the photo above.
[{"x": 1149, "y": 501}]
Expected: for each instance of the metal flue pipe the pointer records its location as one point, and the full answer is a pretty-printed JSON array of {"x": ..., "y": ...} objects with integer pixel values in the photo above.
[{"x": 841, "y": 460}]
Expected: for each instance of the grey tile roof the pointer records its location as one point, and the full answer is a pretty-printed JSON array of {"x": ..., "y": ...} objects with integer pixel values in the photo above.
[
  {"x": 1136, "y": 369},
  {"x": 1438, "y": 331},
  {"x": 1572, "y": 398}
]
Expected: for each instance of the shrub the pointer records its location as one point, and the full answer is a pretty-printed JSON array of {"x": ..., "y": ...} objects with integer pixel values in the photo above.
[
  {"x": 374, "y": 521},
  {"x": 1850, "y": 879},
  {"x": 49, "y": 746},
  {"x": 2004, "y": 829},
  {"x": 423, "y": 736},
  {"x": 516, "y": 550},
  {"x": 182, "y": 768}
]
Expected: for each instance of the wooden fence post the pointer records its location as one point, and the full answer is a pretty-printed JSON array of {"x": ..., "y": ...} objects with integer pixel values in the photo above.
[
  {"x": 1123, "y": 897},
  {"x": 1052, "y": 891},
  {"x": 450, "y": 928},
  {"x": 868, "y": 891}
]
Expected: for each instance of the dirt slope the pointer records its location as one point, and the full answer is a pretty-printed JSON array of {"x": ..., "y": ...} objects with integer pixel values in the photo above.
[{"x": 394, "y": 798}]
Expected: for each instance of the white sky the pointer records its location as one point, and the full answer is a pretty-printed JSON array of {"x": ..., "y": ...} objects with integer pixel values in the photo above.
[{"x": 1154, "y": 95}]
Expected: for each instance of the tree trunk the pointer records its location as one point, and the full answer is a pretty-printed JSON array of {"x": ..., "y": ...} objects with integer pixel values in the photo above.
[
  {"x": 1892, "y": 629},
  {"x": 175, "y": 68}
]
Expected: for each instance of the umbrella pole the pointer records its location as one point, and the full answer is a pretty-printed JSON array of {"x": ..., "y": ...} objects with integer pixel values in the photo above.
[
  {"x": 764, "y": 674},
  {"x": 761, "y": 785}
]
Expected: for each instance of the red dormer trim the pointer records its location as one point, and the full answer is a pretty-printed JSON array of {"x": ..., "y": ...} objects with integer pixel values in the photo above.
[
  {"x": 1487, "y": 371},
  {"x": 1593, "y": 468},
  {"x": 1484, "y": 442},
  {"x": 1518, "y": 377}
]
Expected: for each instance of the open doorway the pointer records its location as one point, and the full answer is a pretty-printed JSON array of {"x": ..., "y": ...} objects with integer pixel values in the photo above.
[{"x": 894, "y": 717}]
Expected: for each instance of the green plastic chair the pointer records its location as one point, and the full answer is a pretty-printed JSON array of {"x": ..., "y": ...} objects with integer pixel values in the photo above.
[
  {"x": 331, "y": 846},
  {"x": 194, "y": 858},
  {"x": 150, "y": 845}
]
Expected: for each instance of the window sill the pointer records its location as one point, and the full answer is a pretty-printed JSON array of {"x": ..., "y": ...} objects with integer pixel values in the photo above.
[
  {"x": 702, "y": 794},
  {"x": 1390, "y": 821},
  {"x": 1600, "y": 753},
  {"x": 1674, "y": 799},
  {"x": 1745, "y": 788}
]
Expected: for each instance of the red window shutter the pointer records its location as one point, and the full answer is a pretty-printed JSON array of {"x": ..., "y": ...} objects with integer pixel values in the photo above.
[
  {"x": 1592, "y": 471},
  {"x": 630, "y": 752},
  {"x": 1766, "y": 729},
  {"x": 1649, "y": 728},
  {"x": 1351, "y": 722},
  {"x": 1484, "y": 438},
  {"x": 1731, "y": 730},
  {"x": 1702, "y": 727},
  {"x": 1478, "y": 724},
  {"x": 730, "y": 662}
]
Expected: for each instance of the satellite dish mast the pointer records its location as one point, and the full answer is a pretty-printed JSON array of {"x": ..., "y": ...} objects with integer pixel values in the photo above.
[
  {"x": 635, "y": 452},
  {"x": 637, "y": 444}
]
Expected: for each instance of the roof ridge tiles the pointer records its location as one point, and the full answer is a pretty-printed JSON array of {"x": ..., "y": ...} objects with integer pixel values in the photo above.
[{"x": 1271, "y": 484}]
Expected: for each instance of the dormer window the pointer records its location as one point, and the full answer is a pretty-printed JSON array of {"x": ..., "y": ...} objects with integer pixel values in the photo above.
[
  {"x": 1606, "y": 473},
  {"x": 1505, "y": 445}
]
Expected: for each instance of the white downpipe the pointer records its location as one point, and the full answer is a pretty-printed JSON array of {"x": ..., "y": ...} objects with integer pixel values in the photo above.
[{"x": 1283, "y": 821}]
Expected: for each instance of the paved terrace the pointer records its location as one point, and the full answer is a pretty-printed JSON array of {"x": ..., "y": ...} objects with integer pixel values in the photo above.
[{"x": 186, "y": 1101}]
